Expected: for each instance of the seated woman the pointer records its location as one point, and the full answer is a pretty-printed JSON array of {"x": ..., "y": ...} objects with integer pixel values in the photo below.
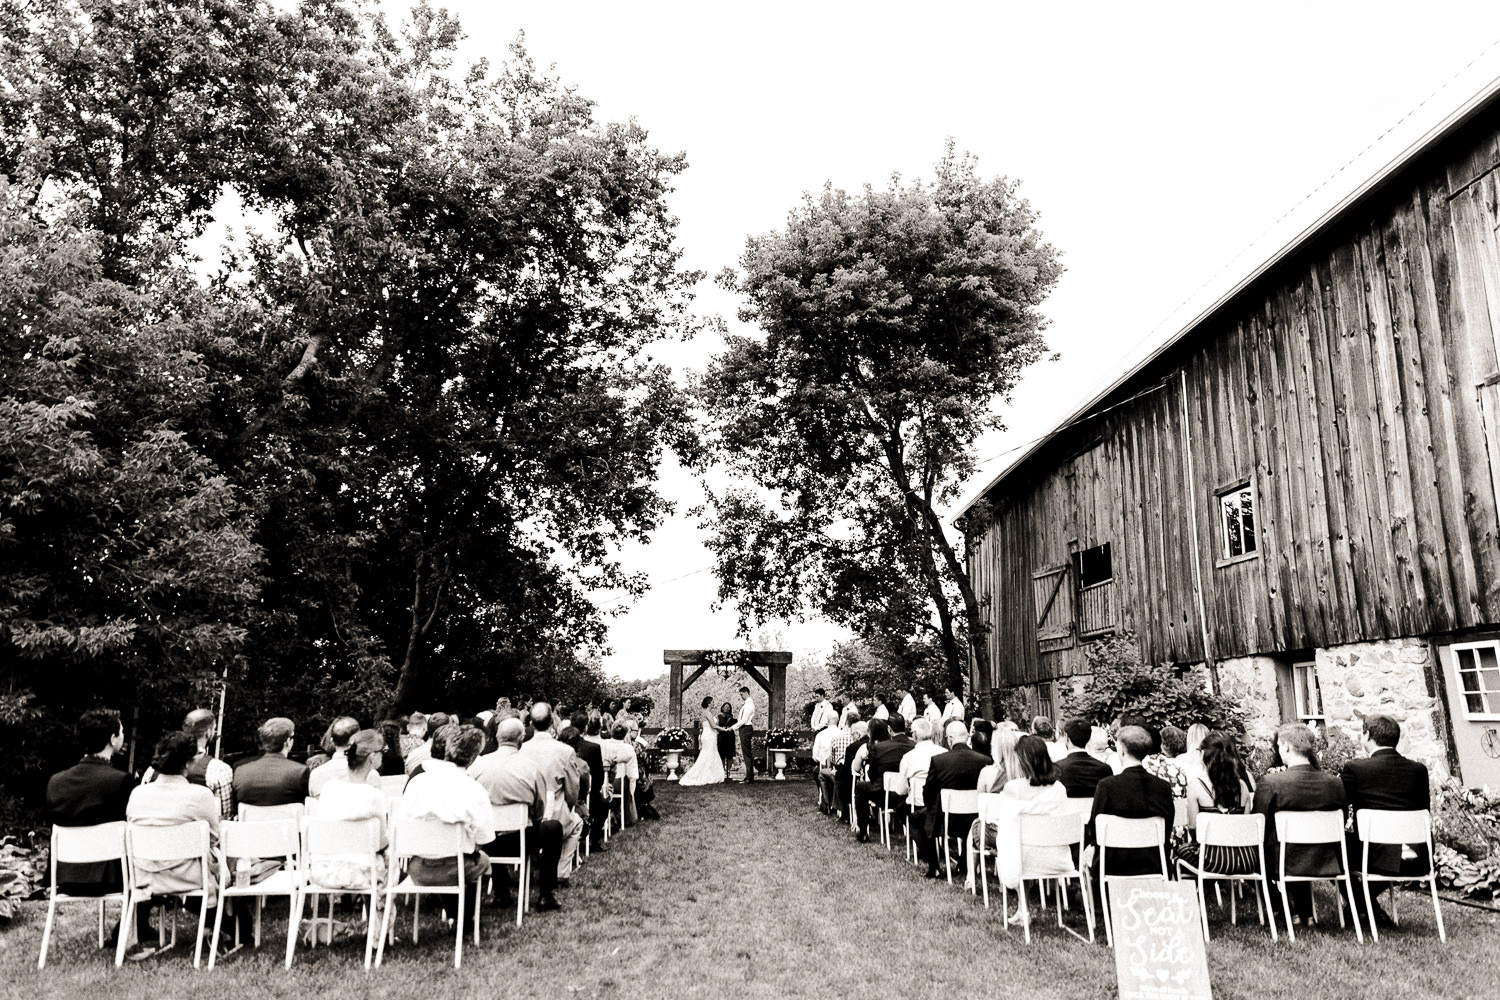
[
  {"x": 993, "y": 777},
  {"x": 1223, "y": 787},
  {"x": 1036, "y": 791},
  {"x": 349, "y": 797}
]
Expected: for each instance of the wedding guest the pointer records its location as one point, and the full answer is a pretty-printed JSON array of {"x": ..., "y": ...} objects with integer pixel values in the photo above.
[
  {"x": 1191, "y": 760},
  {"x": 933, "y": 714},
  {"x": 436, "y": 722},
  {"x": 1223, "y": 787},
  {"x": 1098, "y": 747},
  {"x": 957, "y": 769},
  {"x": 509, "y": 777},
  {"x": 1172, "y": 741},
  {"x": 341, "y": 733},
  {"x": 844, "y": 774},
  {"x": 881, "y": 712},
  {"x": 992, "y": 780},
  {"x": 1385, "y": 780},
  {"x": 1035, "y": 791},
  {"x": 884, "y": 755},
  {"x": 1042, "y": 729},
  {"x": 349, "y": 797},
  {"x": 822, "y": 754},
  {"x": 558, "y": 764},
  {"x": 270, "y": 779},
  {"x": 915, "y": 763},
  {"x": 205, "y": 769},
  {"x": 953, "y": 707},
  {"x": 445, "y": 792},
  {"x": 391, "y": 764},
  {"x": 823, "y": 714},
  {"x": 1302, "y": 787},
  {"x": 1133, "y": 794},
  {"x": 619, "y": 752},
  {"x": 1079, "y": 770},
  {"x": 590, "y": 750},
  {"x": 415, "y": 736},
  {"x": 908, "y": 707}
]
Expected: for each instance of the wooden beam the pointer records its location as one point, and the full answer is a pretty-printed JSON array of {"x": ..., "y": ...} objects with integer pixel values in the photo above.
[
  {"x": 692, "y": 677},
  {"x": 675, "y": 693}
]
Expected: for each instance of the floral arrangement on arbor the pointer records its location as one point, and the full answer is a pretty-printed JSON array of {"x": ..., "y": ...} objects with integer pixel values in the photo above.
[
  {"x": 727, "y": 662},
  {"x": 781, "y": 739},
  {"x": 673, "y": 738}
]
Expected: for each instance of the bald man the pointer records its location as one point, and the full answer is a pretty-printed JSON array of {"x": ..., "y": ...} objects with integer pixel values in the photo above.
[
  {"x": 957, "y": 769},
  {"x": 341, "y": 733},
  {"x": 561, "y": 769},
  {"x": 509, "y": 777}
]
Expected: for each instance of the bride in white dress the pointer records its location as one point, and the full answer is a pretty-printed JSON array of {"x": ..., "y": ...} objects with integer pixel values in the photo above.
[{"x": 708, "y": 769}]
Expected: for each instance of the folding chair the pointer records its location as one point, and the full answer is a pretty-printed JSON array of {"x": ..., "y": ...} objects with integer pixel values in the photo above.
[
  {"x": 890, "y": 782},
  {"x": 293, "y": 811},
  {"x": 1390, "y": 826},
  {"x": 160, "y": 845},
  {"x": 853, "y": 812},
  {"x": 515, "y": 818},
  {"x": 84, "y": 845},
  {"x": 955, "y": 802},
  {"x": 1321, "y": 827},
  {"x": 338, "y": 839},
  {"x": 913, "y": 802},
  {"x": 429, "y": 839},
  {"x": 252, "y": 841},
  {"x": 988, "y": 807},
  {"x": 393, "y": 785},
  {"x": 619, "y": 783},
  {"x": 1231, "y": 830},
  {"x": 1061, "y": 829},
  {"x": 1118, "y": 831}
]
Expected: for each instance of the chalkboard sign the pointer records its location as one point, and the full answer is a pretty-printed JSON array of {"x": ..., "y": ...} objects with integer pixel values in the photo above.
[{"x": 1158, "y": 941}]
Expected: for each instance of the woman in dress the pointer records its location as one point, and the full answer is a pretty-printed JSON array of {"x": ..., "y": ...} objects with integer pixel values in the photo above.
[
  {"x": 1225, "y": 787},
  {"x": 725, "y": 724},
  {"x": 351, "y": 798},
  {"x": 708, "y": 769},
  {"x": 1035, "y": 791}
]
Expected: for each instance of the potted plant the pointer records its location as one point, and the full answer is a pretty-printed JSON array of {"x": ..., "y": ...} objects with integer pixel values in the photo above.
[
  {"x": 782, "y": 743},
  {"x": 671, "y": 742}
]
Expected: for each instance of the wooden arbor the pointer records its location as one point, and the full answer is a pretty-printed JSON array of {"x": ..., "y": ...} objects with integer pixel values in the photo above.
[{"x": 755, "y": 664}]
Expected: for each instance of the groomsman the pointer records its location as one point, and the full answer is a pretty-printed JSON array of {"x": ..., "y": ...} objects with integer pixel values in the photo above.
[
  {"x": 908, "y": 708},
  {"x": 823, "y": 714}
]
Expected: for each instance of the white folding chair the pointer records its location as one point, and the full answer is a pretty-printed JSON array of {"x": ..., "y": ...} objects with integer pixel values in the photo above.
[
  {"x": 159, "y": 845},
  {"x": 83, "y": 845},
  {"x": 1404, "y": 827},
  {"x": 429, "y": 839},
  {"x": 252, "y": 841},
  {"x": 955, "y": 802},
  {"x": 310, "y": 805},
  {"x": 914, "y": 801},
  {"x": 515, "y": 818},
  {"x": 1325, "y": 826},
  {"x": 619, "y": 782},
  {"x": 1062, "y": 830},
  {"x": 853, "y": 811},
  {"x": 1231, "y": 830},
  {"x": 989, "y": 809},
  {"x": 393, "y": 785},
  {"x": 340, "y": 840},
  {"x": 890, "y": 782},
  {"x": 1118, "y": 831},
  {"x": 293, "y": 811}
]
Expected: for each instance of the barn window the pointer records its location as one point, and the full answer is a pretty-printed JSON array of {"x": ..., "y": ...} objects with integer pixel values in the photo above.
[
  {"x": 1479, "y": 677},
  {"x": 1095, "y": 573},
  {"x": 1094, "y": 566},
  {"x": 1308, "y": 695},
  {"x": 1237, "y": 521}
]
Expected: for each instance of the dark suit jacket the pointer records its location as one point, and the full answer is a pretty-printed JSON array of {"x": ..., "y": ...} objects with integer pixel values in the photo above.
[
  {"x": 594, "y": 758},
  {"x": 885, "y": 757},
  {"x": 1134, "y": 793},
  {"x": 87, "y": 794},
  {"x": 270, "y": 780},
  {"x": 1386, "y": 780},
  {"x": 1080, "y": 773},
  {"x": 957, "y": 769},
  {"x": 1302, "y": 788},
  {"x": 843, "y": 771}
]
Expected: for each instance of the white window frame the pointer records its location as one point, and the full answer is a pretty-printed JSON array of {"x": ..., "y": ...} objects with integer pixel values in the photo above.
[
  {"x": 1308, "y": 669},
  {"x": 1244, "y": 486},
  {"x": 1490, "y": 699}
]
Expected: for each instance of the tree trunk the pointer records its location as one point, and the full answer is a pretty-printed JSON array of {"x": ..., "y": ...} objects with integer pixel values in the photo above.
[
  {"x": 978, "y": 631},
  {"x": 410, "y": 682}
]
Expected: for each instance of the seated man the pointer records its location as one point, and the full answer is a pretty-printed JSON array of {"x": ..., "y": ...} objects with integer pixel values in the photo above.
[
  {"x": 269, "y": 778},
  {"x": 559, "y": 766},
  {"x": 509, "y": 777},
  {"x": 204, "y": 769},
  {"x": 838, "y": 750},
  {"x": 87, "y": 794},
  {"x": 915, "y": 762},
  {"x": 888, "y": 744},
  {"x": 957, "y": 769},
  {"x": 1302, "y": 787},
  {"x": 1385, "y": 780},
  {"x": 619, "y": 752},
  {"x": 1080, "y": 771},
  {"x": 843, "y": 775},
  {"x": 445, "y": 792},
  {"x": 822, "y": 755},
  {"x": 588, "y": 748},
  {"x": 341, "y": 732},
  {"x": 1134, "y": 793}
]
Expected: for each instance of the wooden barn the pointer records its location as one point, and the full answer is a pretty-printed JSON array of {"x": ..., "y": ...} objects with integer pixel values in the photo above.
[{"x": 1299, "y": 488}]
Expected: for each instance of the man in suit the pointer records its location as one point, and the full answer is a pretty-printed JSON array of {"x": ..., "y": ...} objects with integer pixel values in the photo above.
[
  {"x": 1300, "y": 788},
  {"x": 589, "y": 749},
  {"x": 1080, "y": 771},
  {"x": 1385, "y": 780},
  {"x": 270, "y": 779},
  {"x": 1134, "y": 793},
  {"x": 957, "y": 769},
  {"x": 561, "y": 770},
  {"x": 888, "y": 744}
]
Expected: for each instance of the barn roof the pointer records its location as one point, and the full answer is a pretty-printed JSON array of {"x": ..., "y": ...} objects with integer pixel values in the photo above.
[{"x": 1468, "y": 93}]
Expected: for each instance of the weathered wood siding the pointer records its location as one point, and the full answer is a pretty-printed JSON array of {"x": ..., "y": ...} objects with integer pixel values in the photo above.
[{"x": 1356, "y": 387}]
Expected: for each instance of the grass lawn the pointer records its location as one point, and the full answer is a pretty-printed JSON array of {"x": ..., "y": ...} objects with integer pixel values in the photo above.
[{"x": 749, "y": 892}]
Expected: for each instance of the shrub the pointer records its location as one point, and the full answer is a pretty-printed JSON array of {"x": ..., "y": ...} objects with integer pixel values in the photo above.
[
  {"x": 22, "y": 872},
  {"x": 1120, "y": 684}
]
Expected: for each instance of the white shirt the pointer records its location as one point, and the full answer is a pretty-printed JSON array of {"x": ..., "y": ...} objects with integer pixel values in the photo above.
[
  {"x": 747, "y": 714},
  {"x": 934, "y": 715},
  {"x": 953, "y": 710},
  {"x": 881, "y": 712},
  {"x": 336, "y": 767},
  {"x": 1057, "y": 750},
  {"x": 823, "y": 744},
  {"x": 823, "y": 715},
  {"x": 444, "y": 793},
  {"x": 914, "y": 765},
  {"x": 908, "y": 709}
]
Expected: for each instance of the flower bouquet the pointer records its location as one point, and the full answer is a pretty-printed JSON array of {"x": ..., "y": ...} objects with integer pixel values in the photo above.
[
  {"x": 781, "y": 739},
  {"x": 673, "y": 738}
]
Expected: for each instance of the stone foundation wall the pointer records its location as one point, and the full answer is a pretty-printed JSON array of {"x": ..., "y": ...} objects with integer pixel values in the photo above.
[
  {"x": 1251, "y": 680},
  {"x": 1389, "y": 677}
]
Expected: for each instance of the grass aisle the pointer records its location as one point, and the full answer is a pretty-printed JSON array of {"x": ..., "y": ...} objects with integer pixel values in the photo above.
[{"x": 747, "y": 892}]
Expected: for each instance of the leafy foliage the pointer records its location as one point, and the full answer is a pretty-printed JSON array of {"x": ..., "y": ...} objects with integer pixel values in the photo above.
[
  {"x": 892, "y": 321},
  {"x": 873, "y": 669},
  {"x": 22, "y": 873},
  {"x": 782, "y": 739},
  {"x": 1120, "y": 684}
]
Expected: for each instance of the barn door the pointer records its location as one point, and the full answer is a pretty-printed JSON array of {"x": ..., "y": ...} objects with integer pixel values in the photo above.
[{"x": 1052, "y": 596}]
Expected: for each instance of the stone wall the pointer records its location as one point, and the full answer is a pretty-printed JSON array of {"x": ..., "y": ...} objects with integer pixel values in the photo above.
[
  {"x": 1251, "y": 680},
  {"x": 1386, "y": 678}
]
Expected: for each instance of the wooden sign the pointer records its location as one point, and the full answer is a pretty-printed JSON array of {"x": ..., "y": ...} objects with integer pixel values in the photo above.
[{"x": 1158, "y": 941}]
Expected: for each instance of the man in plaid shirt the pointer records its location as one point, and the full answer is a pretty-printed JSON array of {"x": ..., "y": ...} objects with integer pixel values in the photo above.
[{"x": 205, "y": 769}]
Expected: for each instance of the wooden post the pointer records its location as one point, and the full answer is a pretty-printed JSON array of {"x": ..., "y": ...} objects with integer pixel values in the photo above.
[
  {"x": 674, "y": 697},
  {"x": 777, "y": 711}
]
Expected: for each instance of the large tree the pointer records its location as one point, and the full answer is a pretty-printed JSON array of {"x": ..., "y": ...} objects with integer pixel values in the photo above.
[{"x": 892, "y": 324}]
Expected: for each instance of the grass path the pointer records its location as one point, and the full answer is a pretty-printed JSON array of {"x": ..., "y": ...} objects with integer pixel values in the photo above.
[{"x": 748, "y": 892}]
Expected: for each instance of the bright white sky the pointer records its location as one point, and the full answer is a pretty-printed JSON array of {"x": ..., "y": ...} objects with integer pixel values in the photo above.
[{"x": 1158, "y": 140}]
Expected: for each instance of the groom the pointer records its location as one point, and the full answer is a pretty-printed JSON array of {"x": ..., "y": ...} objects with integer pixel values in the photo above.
[{"x": 746, "y": 726}]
